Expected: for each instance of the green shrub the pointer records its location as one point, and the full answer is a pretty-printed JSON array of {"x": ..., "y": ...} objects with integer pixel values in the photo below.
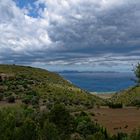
[
  {"x": 137, "y": 73},
  {"x": 14, "y": 125},
  {"x": 1, "y": 96},
  {"x": 28, "y": 131},
  {"x": 61, "y": 117},
  {"x": 35, "y": 100},
  {"x": 121, "y": 136},
  {"x": 96, "y": 136},
  {"x": 8, "y": 93},
  {"x": 82, "y": 117},
  {"x": 135, "y": 135},
  {"x": 27, "y": 99},
  {"x": 49, "y": 132},
  {"x": 76, "y": 136},
  {"x": 84, "y": 125},
  {"x": 33, "y": 93},
  {"x": 11, "y": 99},
  {"x": 86, "y": 128},
  {"x": 116, "y": 105},
  {"x": 49, "y": 105},
  {"x": 136, "y": 102}
]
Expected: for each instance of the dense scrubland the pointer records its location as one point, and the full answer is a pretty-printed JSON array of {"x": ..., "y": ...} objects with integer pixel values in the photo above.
[{"x": 36, "y": 104}]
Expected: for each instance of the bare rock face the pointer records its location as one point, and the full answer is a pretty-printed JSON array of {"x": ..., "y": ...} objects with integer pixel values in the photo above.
[{"x": 4, "y": 77}]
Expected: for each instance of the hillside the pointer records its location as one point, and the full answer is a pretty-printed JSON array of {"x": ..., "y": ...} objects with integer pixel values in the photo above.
[
  {"x": 40, "y": 88},
  {"x": 36, "y": 104},
  {"x": 130, "y": 96}
]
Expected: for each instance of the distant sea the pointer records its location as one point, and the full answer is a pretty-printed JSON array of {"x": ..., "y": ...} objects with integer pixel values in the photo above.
[{"x": 100, "y": 81}]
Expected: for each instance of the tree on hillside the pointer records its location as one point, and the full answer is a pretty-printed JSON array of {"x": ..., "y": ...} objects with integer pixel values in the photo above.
[{"x": 137, "y": 73}]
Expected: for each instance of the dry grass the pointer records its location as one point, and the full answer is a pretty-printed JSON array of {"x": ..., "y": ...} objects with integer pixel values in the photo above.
[{"x": 117, "y": 120}]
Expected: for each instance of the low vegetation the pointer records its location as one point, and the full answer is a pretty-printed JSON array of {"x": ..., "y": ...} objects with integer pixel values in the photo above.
[
  {"x": 130, "y": 96},
  {"x": 40, "y": 105},
  {"x": 41, "y": 89},
  {"x": 137, "y": 73},
  {"x": 24, "y": 122},
  {"x": 20, "y": 123},
  {"x": 115, "y": 105}
]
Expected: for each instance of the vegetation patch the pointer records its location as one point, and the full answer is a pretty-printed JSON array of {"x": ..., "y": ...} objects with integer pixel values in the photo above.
[{"x": 37, "y": 87}]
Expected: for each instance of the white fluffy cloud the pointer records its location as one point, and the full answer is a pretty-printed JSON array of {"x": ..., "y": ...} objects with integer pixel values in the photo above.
[
  {"x": 19, "y": 32},
  {"x": 70, "y": 32}
]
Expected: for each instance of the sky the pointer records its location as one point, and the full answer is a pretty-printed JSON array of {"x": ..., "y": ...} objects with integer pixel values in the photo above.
[{"x": 94, "y": 35}]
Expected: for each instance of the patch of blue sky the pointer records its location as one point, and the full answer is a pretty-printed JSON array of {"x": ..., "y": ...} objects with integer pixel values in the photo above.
[{"x": 31, "y": 6}]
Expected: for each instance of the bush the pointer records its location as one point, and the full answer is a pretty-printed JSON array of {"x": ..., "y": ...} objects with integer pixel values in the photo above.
[
  {"x": 33, "y": 93},
  {"x": 96, "y": 136},
  {"x": 87, "y": 128},
  {"x": 30, "y": 99},
  {"x": 49, "y": 132},
  {"x": 136, "y": 102},
  {"x": 1, "y": 96},
  {"x": 61, "y": 117},
  {"x": 7, "y": 94},
  {"x": 28, "y": 131},
  {"x": 135, "y": 135},
  {"x": 14, "y": 125},
  {"x": 35, "y": 100},
  {"x": 76, "y": 136},
  {"x": 114, "y": 106},
  {"x": 84, "y": 125},
  {"x": 11, "y": 99},
  {"x": 27, "y": 99},
  {"x": 82, "y": 117},
  {"x": 49, "y": 104},
  {"x": 137, "y": 73},
  {"x": 121, "y": 136}
]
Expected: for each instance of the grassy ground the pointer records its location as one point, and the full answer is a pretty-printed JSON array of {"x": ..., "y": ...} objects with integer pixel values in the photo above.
[{"x": 117, "y": 120}]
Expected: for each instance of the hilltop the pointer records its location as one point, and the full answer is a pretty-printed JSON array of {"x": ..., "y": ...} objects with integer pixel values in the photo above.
[{"x": 40, "y": 88}]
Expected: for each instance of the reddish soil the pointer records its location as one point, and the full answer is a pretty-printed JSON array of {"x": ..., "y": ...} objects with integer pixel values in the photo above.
[{"x": 117, "y": 120}]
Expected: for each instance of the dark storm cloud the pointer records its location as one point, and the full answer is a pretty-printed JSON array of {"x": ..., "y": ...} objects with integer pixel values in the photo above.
[{"x": 71, "y": 32}]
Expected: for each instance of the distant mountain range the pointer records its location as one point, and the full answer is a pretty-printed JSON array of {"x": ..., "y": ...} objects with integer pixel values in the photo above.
[{"x": 75, "y": 71}]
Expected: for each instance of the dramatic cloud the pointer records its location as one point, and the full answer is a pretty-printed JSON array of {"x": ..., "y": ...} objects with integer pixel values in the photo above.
[{"x": 70, "y": 33}]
